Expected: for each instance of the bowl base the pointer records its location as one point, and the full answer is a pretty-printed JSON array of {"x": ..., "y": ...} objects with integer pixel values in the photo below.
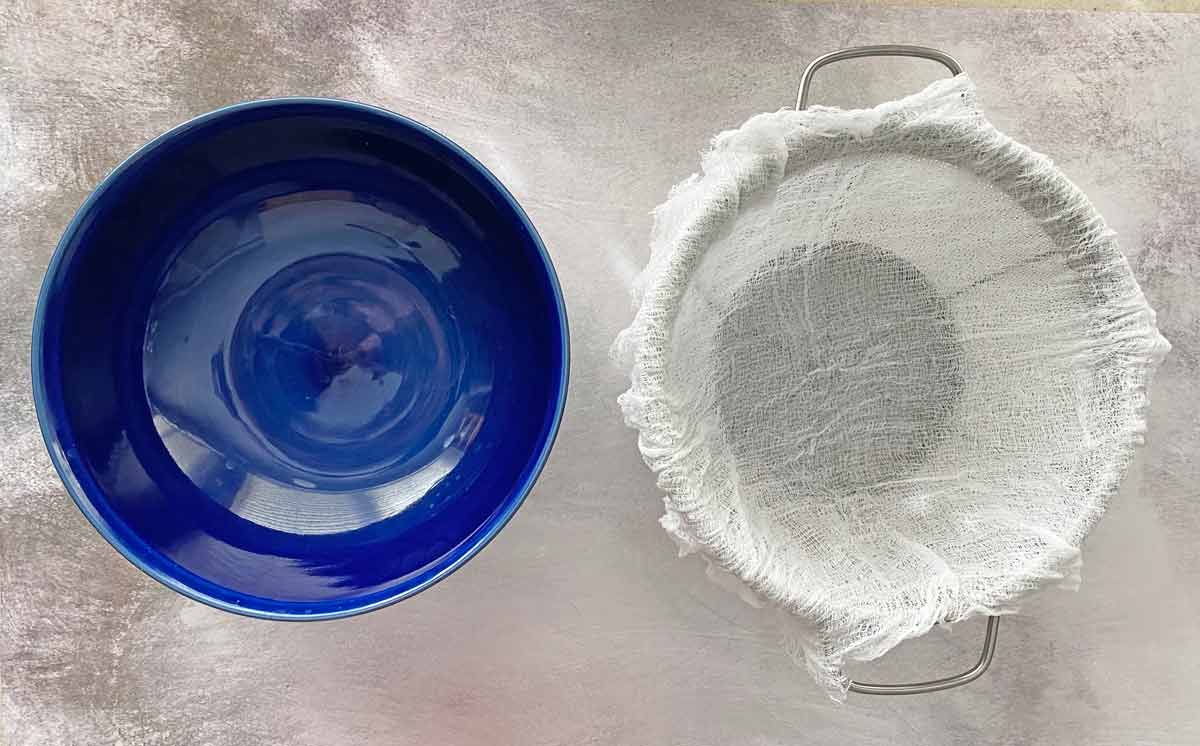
[{"x": 311, "y": 340}]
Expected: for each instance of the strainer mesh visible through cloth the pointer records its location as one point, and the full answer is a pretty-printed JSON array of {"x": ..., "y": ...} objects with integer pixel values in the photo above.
[{"x": 888, "y": 364}]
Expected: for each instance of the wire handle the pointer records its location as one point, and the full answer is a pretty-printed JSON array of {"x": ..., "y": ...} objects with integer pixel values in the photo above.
[
  {"x": 937, "y": 685},
  {"x": 879, "y": 50},
  {"x": 993, "y": 625}
]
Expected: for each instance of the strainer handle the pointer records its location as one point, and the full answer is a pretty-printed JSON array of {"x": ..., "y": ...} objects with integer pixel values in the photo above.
[
  {"x": 937, "y": 685},
  {"x": 879, "y": 50}
]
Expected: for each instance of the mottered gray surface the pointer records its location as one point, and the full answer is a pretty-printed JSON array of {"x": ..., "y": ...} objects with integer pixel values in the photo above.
[{"x": 578, "y": 624}]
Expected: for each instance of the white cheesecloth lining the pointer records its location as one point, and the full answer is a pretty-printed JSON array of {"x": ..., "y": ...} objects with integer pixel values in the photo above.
[{"x": 805, "y": 204}]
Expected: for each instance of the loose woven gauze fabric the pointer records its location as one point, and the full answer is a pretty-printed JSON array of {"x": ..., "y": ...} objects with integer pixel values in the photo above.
[{"x": 889, "y": 365}]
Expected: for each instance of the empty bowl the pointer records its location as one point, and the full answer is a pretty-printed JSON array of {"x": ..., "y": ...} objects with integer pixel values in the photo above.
[{"x": 299, "y": 358}]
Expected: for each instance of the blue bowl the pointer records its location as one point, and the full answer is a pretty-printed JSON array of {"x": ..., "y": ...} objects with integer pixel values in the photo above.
[{"x": 299, "y": 358}]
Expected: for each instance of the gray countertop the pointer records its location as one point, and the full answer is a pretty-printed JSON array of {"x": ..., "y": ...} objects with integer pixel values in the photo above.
[{"x": 579, "y": 625}]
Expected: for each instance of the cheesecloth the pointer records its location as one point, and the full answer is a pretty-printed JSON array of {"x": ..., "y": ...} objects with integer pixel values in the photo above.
[{"x": 888, "y": 365}]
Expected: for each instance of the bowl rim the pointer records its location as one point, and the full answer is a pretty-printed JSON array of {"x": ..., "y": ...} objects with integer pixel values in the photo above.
[{"x": 49, "y": 423}]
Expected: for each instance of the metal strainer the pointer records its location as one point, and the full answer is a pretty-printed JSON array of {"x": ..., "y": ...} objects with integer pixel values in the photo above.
[{"x": 889, "y": 366}]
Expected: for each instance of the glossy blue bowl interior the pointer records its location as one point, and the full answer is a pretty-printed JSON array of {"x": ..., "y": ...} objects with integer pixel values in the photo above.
[{"x": 299, "y": 358}]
